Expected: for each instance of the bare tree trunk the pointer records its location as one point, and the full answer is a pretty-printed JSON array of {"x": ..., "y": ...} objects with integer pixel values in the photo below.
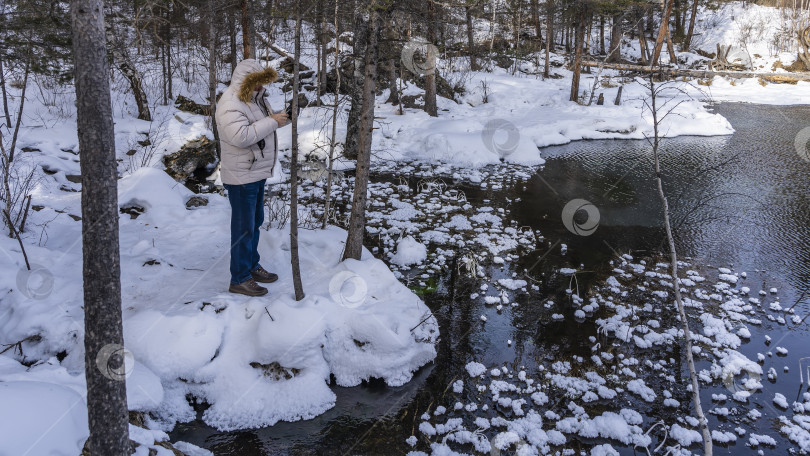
[
  {"x": 538, "y": 29},
  {"x": 5, "y": 96},
  {"x": 470, "y": 38},
  {"x": 580, "y": 35},
  {"x": 169, "y": 71},
  {"x": 350, "y": 147},
  {"x": 328, "y": 196},
  {"x": 673, "y": 59},
  {"x": 615, "y": 53},
  {"x": 232, "y": 38},
  {"x": 662, "y": 32},
  {"x": 431, "y": 106},
  {"x": 323, "y": 42},
  {"x": 549, "y": 34},
  {"x": 492, "y": 31},
  {"x": 103, "y": 338},
  {"x": 357, "y": 219},
  {"x": 248, "y": 41},
  {"x": 688, "y": 41},
  {"x": 3, "y": 76},
  {"x": 296, "y": 268},
  {"x": 8, "y": 158},
  {"x": 704, "y": 423},
  {"x": 18, "y": 121},
  {"x": 601, "y": 35},
  {"x": 587, "y": 37},
  {"x": 212, "y": 72},
  {"x": 677, "y": 11},
  {"x": 642, "y": 42},
  {"x": 164, "y": 82}
]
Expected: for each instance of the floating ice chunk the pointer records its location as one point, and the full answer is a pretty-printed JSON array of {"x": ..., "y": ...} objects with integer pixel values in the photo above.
[
  {"x": 637, "y": 386},
  {"x": 512, "y": 284},
  {"x": 604, "y": 450},
  {"x": 780, "y": 400},
  {"x": 475, "y": 369},
  {"x": 684, "y": 436},
  {"x": 755, "y": 440},
  {"x": 723, "y": 436}
]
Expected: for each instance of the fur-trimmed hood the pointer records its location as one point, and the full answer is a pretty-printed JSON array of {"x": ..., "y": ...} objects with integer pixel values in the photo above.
[{"x": 248, "y": 74}]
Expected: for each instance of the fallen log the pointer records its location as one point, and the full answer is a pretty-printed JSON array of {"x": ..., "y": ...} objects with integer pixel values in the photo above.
[{"x": 705, "y": 74}]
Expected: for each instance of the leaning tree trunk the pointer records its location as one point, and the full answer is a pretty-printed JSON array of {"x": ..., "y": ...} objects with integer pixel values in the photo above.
[
  {"x": 642, "y": 43},
  {"x": 101, "y": 269},
  {"x": 663, "y": 30},
  {"x": 296, "y": 268},
  {"x": 127, "y": 67},
  {"x": 356, "y": 89},
  {"x": 357, "y": 219}
]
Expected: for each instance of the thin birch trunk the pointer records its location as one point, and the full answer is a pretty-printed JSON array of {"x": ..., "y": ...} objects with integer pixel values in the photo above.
[
  {"x": 704, "y": 424},
  {"x": 328, "y": 197}
]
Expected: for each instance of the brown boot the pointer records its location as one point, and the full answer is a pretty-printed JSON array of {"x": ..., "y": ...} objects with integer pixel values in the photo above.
[
  {"x": 249, "y": 287},
  {"x": 260, "y": 275}
]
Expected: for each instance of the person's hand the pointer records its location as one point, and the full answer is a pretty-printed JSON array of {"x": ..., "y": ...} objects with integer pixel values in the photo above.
[{"x": 281, "y": 118}]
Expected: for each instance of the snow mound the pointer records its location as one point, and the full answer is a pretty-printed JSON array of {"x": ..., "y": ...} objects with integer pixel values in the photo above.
[
  {"x": 409, "y": 251},
  {"x": 41, "y": 418},
  {"x": 261, "y": 360}
]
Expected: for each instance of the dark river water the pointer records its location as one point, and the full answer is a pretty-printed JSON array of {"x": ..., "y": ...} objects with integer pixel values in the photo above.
[{"x": 738, "y": 201}]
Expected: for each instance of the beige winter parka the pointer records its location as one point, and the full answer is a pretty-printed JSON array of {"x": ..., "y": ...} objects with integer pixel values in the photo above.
[{"x": 244, "y": 125}]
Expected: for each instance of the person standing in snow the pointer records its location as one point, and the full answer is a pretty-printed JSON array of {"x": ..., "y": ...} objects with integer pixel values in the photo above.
[{"x": 247, "y": 133}]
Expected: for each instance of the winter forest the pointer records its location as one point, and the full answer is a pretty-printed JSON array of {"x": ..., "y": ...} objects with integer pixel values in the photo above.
[{"x": 415, "y": 227}]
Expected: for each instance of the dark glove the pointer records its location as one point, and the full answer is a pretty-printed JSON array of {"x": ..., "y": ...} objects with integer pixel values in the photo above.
[{"x": 261, "y": 145}]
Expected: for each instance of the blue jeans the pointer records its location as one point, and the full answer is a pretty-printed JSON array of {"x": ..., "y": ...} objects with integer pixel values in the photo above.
[{"x": 247, "y": 215}]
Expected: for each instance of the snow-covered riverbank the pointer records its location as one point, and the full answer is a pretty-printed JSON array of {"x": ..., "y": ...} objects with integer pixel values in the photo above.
[{"x": 254, "y": 360}]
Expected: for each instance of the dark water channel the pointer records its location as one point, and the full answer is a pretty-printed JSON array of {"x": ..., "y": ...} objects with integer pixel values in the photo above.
[{"x": 738, "y": 201}]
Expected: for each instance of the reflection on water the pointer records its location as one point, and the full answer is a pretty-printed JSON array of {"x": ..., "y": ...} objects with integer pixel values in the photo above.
[{"x": 738, "y": 200}]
